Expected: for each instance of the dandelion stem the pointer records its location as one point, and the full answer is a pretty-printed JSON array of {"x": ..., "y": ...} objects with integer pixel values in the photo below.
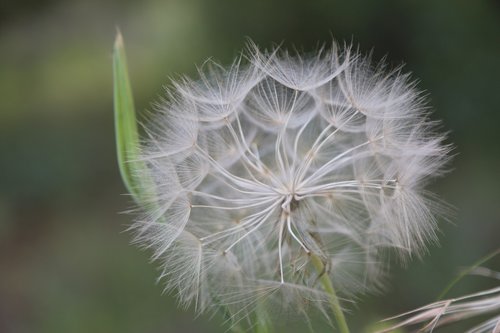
[{"x": 333, "y": 299}]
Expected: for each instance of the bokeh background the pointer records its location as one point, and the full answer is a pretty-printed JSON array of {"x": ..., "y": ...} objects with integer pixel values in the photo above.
[{"x": 65, "y": 263}]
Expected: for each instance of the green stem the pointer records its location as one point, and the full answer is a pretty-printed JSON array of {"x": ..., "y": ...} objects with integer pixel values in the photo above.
[{"x": 333, "y": 299}]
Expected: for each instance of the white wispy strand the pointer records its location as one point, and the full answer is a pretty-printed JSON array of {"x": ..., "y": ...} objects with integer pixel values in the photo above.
[
  {"x": 255, "y": 167},
  {"x": 454, "y": 310}
]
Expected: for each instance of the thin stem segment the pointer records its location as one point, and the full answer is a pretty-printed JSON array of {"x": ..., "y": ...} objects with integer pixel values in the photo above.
[{"x": 328, "y": 287}]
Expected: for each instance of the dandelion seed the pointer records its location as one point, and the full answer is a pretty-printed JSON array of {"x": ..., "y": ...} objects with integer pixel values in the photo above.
[{"x": 257, "y": 167}]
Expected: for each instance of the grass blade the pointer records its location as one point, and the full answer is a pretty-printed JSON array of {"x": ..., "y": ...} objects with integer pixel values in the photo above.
[{"x": 127, "y": 137}]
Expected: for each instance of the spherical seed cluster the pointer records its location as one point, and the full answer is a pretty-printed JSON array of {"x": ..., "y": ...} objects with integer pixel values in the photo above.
[{"x": 255, "y": 168}]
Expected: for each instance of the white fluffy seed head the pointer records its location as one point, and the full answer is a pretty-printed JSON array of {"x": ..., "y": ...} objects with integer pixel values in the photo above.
[{"x": 255, "y": 167}]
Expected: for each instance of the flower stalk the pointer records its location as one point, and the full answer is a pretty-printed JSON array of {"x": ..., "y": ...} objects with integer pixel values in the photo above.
[{"x": 333, "y": 299}]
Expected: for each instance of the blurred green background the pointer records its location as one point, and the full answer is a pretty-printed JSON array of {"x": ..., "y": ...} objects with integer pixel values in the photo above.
[{"x": 65, "y": 263}]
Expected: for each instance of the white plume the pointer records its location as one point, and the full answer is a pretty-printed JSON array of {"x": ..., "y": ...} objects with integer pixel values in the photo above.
[{"x": 257, "y": 166}]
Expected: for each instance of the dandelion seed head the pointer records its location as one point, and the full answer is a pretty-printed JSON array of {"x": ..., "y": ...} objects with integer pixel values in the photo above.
[{"x": 256, "y": 166}]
